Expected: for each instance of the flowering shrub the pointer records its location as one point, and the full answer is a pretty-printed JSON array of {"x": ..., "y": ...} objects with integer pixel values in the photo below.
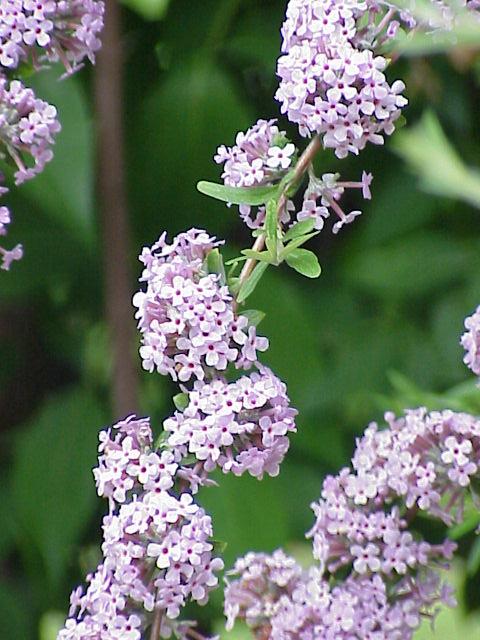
[{"x": 374, "y": 576}]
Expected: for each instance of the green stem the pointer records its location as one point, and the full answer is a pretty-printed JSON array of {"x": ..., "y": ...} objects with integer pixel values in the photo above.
[{"x": 302, "y": 166}]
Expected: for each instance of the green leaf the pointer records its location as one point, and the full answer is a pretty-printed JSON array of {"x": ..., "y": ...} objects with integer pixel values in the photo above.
[
  {"x": 300, "y": 229},
  {"x": 52, "y": 485},
  {"x": 254, "y": 316},
  {"x": 50, "y": 624},
  {"x": 181, "y": 401},
  {"x": 414, "y": 265},
  {"x": 166, "y": 166},
  {"x": 271, "y": 220},
  {"x": 262, "y": 256},
  {"x": 236, "y": 195},
  {"x": 148, "y": 9},
  {"x": 65, "y": 189},
  {"x": 295, "y": 243},
  {"x": 305, "y": 262},
  {"x": 470, "y": 522},
  {"x": 430, "y": 155},
  {"x": 15, "y": 614},
  {"x": 245, "y": 523},
  {"x": 443, "y": 37},
  {"x": 473, "y": 564},
  {"x": 248, "y": 287}
]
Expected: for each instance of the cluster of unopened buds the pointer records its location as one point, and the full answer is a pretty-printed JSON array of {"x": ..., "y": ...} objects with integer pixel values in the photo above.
[{"x": 38, "y": 33}]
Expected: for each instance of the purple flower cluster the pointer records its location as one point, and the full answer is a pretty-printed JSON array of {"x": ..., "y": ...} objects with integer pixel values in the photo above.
[
  {"x": 36, "y": 32},
  {"x": 27, "y": 129},
  {"x": 49, "y": 30},
  {"x": 261, "y": 156},
  {"x": 157, "y": 544},
  {"x": 281, "y": 601},
  {"x": 330, "y": 83},
  {"x": 421, "y": 462},
  {"x": 328, "y": 190},
  {"x": 239, "y": 427},
  {"x": 7, "y": 256},
  {"x": 187, "y": 316},
  {"x": 470, "y": 341},
  {"x": 253, "y": 161}
]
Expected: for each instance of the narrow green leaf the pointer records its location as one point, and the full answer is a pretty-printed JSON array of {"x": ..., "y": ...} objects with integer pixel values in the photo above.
[
  {"x": 181, "y": 401},
  {"x": 300, "y": 229},
  {"x": 56, "y": 450},
  {"x": 237, "y": 195},
  {"x": 248, "y": 287},
  {"x": 431, "y": 156},
  {"x": 470, "y": 522},
  {"x": 473, "y": 564},
  {"x": 305, "y": 262},
  {"x": 271, "y": 220},
  {"x": 263, "y": 256},
  {"x": 295, "y": 243},
  {"x": 254, "y": 316},
  {"x": 50, "y": 624},
  {"x": 148, "y": 9},
  {"x": 235, "y": 261}
]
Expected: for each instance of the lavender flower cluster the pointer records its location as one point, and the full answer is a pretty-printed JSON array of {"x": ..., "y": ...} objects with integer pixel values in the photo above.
[
  {"x": 38, "y": 32},
  {"x": 471, "y": 342},
  {"x": 156, "y": 543},
  {"x": 262, "y": 156},
  {"x": 420, "y": 462},
  {"x": 27, "y": 129},
  {"x": 239, "y": 427},
  {"x": 330, "y": 83},
  {"x": 280, "y": 600},
  {"x": 158, "y": 552},
  {"x": 49, "y": 30},
  {"x": 187, "y": 316},
  {"x": 7, "y": 255}
]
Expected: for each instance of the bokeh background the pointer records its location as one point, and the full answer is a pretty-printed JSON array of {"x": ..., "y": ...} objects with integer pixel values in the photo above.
[{"x": 378, "y": 330}]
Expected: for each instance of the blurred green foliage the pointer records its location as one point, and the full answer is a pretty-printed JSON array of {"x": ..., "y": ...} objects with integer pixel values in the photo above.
[{"x": 378, "y": 330}]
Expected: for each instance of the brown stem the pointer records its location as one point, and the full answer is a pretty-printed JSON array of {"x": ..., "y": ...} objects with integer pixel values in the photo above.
[
  {"x": 301, "y": 168},
  {"x": 263, "y": 633},
  {"x": 195, "y": 635},
  {"x": 157, "y": 623},
  {"x": 114, "y": 212}
]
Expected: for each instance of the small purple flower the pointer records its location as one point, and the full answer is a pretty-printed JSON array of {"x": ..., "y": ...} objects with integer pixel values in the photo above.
[{"x": 470, "y": 341}]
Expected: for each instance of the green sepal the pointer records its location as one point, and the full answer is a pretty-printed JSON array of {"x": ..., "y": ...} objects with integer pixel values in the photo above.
[
  {"x": 161, "y": 440},
  {"x": 181, "y": 401},
  {"x": 254, "y": 316},
  {"x": 214, "y": 263},
  {"x": 219, "y": 546}
]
